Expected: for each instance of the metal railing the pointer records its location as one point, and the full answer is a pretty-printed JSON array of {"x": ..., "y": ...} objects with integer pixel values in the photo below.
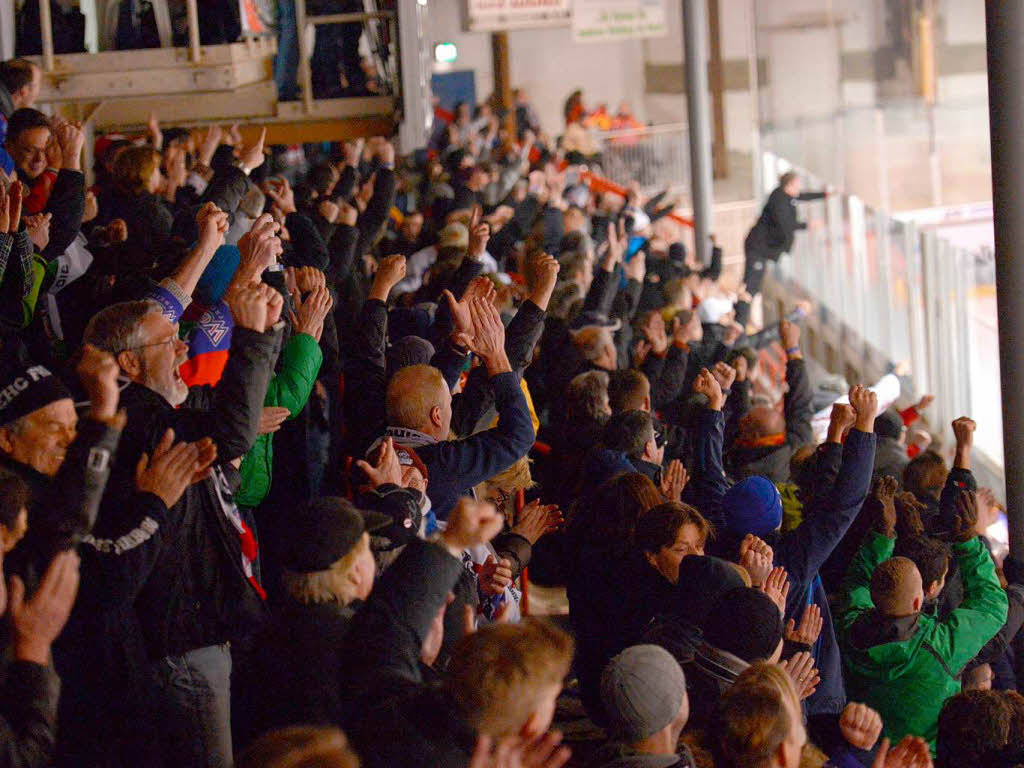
[
  {"x": 898, "y": 292},
  {"x": 657, "y": 157},
  {"x": 388, "y": 57},
  {"x": 161, "y": 17},
  {"x": 384, "y": 47}
]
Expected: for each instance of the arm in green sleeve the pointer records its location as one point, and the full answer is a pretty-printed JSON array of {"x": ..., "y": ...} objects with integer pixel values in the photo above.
[
  {"x": 963, "y": 633},
  {"x": 856, "y": 588},
  {"x": 300, "y": 364}
]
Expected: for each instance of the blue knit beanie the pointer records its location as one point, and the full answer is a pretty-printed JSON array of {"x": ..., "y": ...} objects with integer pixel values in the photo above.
[
  {"x": 218, "y": 273},
  {"x": 752, "y": 506}
]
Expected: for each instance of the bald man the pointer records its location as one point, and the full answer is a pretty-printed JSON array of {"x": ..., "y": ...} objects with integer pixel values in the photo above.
[
  {"x": 903, "y": 662},
  {"x": 419, "y": 415},
  {"x": 767, "y": 439}
]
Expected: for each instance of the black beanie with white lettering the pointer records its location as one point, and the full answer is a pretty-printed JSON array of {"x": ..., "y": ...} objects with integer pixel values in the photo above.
[{"x": 29, "y": 390}]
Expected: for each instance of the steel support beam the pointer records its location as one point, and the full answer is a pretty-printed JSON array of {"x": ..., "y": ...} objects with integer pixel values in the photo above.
[
  {"x": 1004, "y": 21},
  {"x": 695, "y": 43}
]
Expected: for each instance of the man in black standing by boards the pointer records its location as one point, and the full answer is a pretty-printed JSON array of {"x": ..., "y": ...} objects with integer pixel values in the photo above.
[{"x": 772, "y": 235}]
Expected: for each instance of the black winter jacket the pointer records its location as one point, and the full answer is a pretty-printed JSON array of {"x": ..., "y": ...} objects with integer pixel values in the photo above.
[
  {"x": 28, "y": 714},
  {"x": 197, "y": 593},
  {"x": 772, "y": 235},
  {"x": 392, "y": 716}
]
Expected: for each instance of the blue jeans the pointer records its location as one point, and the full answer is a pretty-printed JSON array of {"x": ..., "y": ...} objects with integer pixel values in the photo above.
[
  {"x": 286, "y": 65},
  {"x": 195, "y": 707}
]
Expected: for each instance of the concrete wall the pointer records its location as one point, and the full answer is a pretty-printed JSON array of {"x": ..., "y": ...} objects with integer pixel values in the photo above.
[
  {"x": 812, "y": 58},
  {"x": 547, "y": 64}
]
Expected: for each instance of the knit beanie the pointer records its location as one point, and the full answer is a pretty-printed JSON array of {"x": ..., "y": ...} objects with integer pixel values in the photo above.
[
  {"x": 642, "y": 690},
  {"x": 752, "y": 506},
  {"x": 889, "y": 424},
  {"x": 218, "y": 273},
  {"x": 701, "y": 580},
  {"x": 408, "y": 350},
  {"x": 744, "y": 622},
  {"x": 29, "y": 390}
]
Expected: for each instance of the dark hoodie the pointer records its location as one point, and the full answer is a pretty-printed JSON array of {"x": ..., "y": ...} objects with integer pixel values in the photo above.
[{"x": 677, "y": 625}]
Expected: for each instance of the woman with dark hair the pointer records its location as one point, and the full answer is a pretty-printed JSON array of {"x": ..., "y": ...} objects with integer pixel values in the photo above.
[
  {"x": 605, "y": 575},
  {"x": 668, "y": 533},
  {"x": 135, "y": 198},
  {"x": 574, "y": 109}
]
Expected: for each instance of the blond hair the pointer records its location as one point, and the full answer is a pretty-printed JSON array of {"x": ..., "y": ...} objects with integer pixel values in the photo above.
[
  {"x": 894, "y": 586},
  {"x": 412, "y": 394},
  {"x": 498, "y": 675},
  {"x": 756, "y": 715},
  {"x": 301, "y": 746},
  {"x": 333, "y": 584},
  {"x": 516, "y": 478},
  {"x": 743, "y": 573}
]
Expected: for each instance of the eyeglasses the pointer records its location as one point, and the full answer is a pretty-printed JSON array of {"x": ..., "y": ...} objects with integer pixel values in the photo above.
[
  {"x": 171, "y": 340},
  {"x": 659, "y": 434}
]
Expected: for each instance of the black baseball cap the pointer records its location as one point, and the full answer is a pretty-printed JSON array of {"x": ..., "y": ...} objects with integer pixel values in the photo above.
[{"x": 325, "y": 530}]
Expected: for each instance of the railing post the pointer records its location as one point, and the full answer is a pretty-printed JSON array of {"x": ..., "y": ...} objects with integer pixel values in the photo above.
[
  {"x": 46, "y": 34},
  {"x": 695, "y": 34},
  {"x": 305, "y": 73},
  {"x": 194, "y": 52},
  {"x": 1004, "y": 22}
]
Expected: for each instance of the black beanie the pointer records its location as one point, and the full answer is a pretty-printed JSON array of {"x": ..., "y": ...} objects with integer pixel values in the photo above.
[
  {"x": 889, "y": 424},
  {"x": 29, "y": 390},
  {"x": 324, "y": 530},
  {"x": 408, "y": 350},
  {"x": 701, "y": 580},
  {"x": 744, "y": 622}
]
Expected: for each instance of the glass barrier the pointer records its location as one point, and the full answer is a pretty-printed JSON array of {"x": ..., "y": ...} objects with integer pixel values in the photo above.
[
  {"x": 905, "y": 294},
  {"x": 897, "y": 157}
]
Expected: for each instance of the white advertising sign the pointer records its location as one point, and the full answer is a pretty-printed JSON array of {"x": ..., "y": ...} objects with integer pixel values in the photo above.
[
  {"x": 496, "y": 15},
  {"x": 596, "y": 21}
]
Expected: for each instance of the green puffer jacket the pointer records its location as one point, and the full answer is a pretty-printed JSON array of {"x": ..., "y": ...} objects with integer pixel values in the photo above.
[
  {"x": 290, "y": 388},
  {"x": 906, "y": 668}
]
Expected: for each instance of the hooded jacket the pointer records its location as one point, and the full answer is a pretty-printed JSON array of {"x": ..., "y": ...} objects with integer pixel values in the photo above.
[
  {"x": 906, "y": 668},
  {"x": 393, "y": 716}
]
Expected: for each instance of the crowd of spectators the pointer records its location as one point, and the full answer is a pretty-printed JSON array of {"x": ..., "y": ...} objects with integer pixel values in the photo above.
[{"x": 286, "y": 436}]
